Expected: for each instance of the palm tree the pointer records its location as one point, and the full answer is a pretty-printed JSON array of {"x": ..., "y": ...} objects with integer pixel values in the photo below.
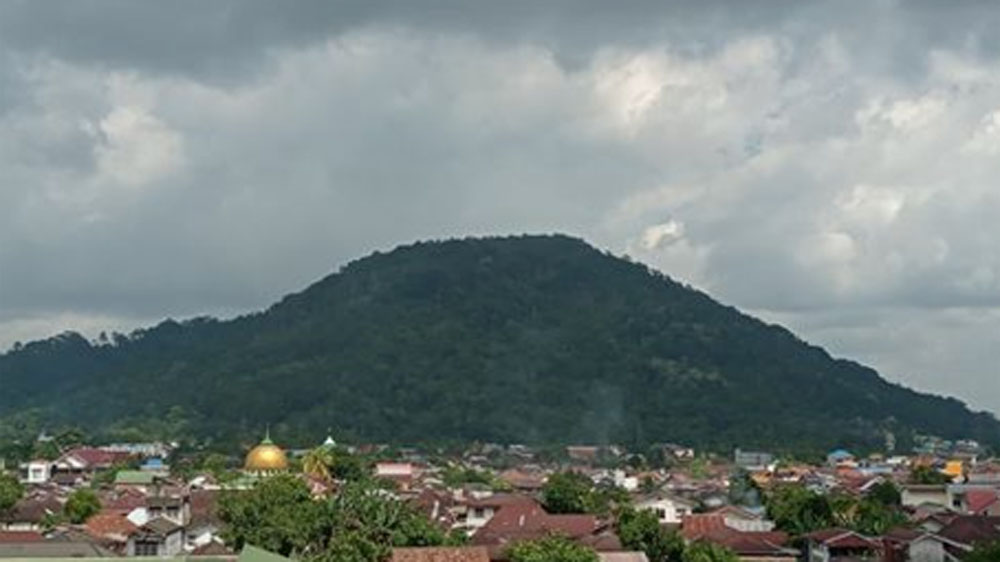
[{"x": 316, "y": 463}]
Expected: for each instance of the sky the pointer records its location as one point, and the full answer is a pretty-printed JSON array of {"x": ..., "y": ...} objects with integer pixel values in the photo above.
[{"x": 830, "y": 166}]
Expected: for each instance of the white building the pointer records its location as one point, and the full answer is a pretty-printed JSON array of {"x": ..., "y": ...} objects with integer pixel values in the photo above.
[
  {"x": 669, "y": 509},
  {"x": 36, "y": 472}
]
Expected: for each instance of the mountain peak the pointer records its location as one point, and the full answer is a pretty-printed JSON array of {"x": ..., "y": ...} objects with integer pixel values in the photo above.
[{"x": 510, "y": 339}]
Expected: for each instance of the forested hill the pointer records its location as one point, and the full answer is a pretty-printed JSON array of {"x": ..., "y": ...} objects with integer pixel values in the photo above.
[{"x": 518, "y": 339}]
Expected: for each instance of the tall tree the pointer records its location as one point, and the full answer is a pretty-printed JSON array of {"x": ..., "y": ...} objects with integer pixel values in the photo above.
[
  {"x": 70, "y": 437},
  {"x": 928, "y": 475},
  {"x": 316, "y": 463},
  {"x": 45, "y": 450},
  {"x": 359, "y": 524},
  {"x": 11, "y": 491},
  {"x": 700, "y": 551},
  {"x": 363, "y": 525},
  {"x": 875, "y": 518},
  {"x": 798, "y": 510},
  {"x": 885, "y": 493},
  {"x": 567, "y": 492},
  {"x": 278, "y": 514},
  {"x": 81, "y": 505},
  {"x": 550, "y": 549},
  {"x": 640, "y": 530}
]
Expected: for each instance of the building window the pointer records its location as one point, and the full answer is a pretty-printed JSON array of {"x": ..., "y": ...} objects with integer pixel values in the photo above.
[
  {"x": 145, "y": 548},
  {"x": 661, "y": 513}
]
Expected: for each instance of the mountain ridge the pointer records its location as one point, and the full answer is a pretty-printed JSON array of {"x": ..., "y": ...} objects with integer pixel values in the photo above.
[{"x": 511, "y": 339}]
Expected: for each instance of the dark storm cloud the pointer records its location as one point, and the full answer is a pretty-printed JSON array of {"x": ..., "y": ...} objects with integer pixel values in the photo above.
[{"x": 227, "y": 38}]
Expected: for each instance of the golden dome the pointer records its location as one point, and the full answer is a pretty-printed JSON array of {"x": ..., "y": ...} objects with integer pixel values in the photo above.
[{"x": 266, "y": 457}]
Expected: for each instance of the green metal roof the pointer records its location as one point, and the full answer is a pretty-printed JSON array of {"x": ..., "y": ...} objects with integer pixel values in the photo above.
[{"x": 133, "y": 477}]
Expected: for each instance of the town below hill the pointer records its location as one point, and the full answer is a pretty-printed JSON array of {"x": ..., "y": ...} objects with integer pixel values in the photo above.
[
  {"x": 367, "y": 503},
  {"x": 527, "y": 339}
]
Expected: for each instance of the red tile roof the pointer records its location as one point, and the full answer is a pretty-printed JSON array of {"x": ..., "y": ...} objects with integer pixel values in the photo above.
[
  {"x": 695, "y": 526},
  {"x": 435, "y": 506},
  {"x": 979, "y": 501},
  {"x": 522, "y": 521},
  {"x": 32, "y": 510},
  {"x": 750, "y": 543},
  {"x": 842, "y": 538},
  {"x": 736, "y": 512},
  {"x": 124, "y": 500},
  {"x": 902, "y": 534},
  {"x": 969, "y": 529},
  {"x": 9, "y": 537},
  {"x": 204, "y": 505},
  {"x": 711, "y": 527},
  {"x": 110, "y": 526},
  {"x": 605, "y": 541},
  {"x": 95, "y": 458},
  {"x": 824, "y": 535},
  {"x": 500, "y": 500},
  {"x": 523, "y": 479}
]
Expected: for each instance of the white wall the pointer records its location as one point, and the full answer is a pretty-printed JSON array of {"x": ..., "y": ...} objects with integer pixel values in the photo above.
[
  {"x": 927, "y": 550},
  {"x": 668, "y": 511}
]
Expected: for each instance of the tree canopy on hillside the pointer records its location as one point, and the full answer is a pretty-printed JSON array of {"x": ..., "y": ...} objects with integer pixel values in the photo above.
[{"x": 436, "y": 339}]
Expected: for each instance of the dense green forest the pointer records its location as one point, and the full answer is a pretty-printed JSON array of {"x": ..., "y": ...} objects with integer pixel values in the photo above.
[{"x": 517, "y": 339}]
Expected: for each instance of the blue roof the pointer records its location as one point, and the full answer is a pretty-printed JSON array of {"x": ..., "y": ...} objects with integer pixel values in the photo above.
[{"x": 840, "y": 453}]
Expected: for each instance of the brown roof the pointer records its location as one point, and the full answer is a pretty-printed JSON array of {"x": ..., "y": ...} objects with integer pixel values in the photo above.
[
  {"x": 523, "y": 479},
  {"x": 604, "y": 541},
  {"x": 441, "y": 554},
  {"x": 736, "y": 512},
  {"x": 31, "y": 510},
  {"x": 204, "y": 505},
  {"x": 842, "y": 538},
  {"x": 694, "y": 526},
  {"x": 97, "y": 458},
  {"x": 527, "y": 520},
  {"x": 124, "y": 500},
  {"x": 164, "y": 502},
  {"x": 824, "y": 535},
  {"x": 751, "y": 543},
  {"x": 160, "y": 526},
  {"x": 110, "y": 525},
  {"x": 435, "y": 506},
  {"x": 500, "y": 500},
  {"x": 711, "y": 527},
  {"x": 66, "y": 478},
  {"x": 902, "y": 534},
  {"x": 981, "y": 500},
  {"x": 8, "y": 537},
  {"x": 969, "y": 529}
]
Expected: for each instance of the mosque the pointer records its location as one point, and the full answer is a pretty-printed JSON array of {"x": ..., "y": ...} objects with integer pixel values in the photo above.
[{"x": 265, "y": 459}]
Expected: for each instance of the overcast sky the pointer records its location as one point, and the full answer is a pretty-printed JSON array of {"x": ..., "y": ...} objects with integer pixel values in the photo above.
[{"x": 830, "y": 166}]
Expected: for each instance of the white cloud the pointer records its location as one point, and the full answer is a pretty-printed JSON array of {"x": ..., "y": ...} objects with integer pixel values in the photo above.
[
  {"x": 661, "y": 235},
  {"x": 135, "y": 148}
]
